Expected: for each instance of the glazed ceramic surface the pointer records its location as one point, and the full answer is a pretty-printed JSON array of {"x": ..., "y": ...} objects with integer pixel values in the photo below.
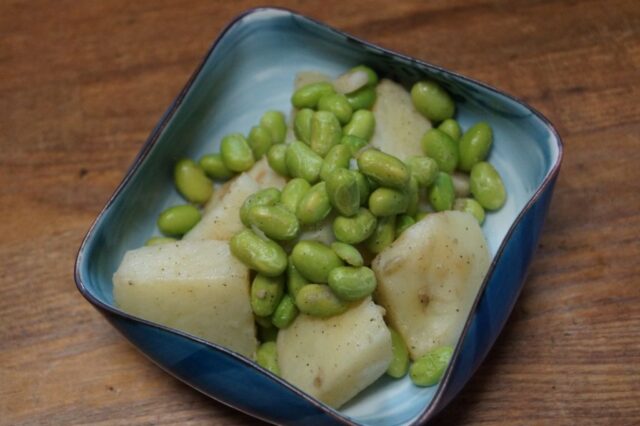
[{"x": 250, "y": 69}]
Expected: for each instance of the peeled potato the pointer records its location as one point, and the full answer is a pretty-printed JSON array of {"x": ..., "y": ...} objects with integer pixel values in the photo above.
[
  {"x": 429, "y": 277},
  {"x": 265, "y": 176}
]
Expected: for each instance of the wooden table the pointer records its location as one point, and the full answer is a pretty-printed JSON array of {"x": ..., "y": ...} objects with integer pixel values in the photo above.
[{"x": 82, "y": 83}]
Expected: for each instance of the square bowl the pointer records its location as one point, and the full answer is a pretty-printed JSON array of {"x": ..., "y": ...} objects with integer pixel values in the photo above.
[{"x": 250, "y": 68}]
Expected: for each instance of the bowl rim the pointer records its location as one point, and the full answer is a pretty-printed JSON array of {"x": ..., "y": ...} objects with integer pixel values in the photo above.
[{"x": 157, "y": 131}]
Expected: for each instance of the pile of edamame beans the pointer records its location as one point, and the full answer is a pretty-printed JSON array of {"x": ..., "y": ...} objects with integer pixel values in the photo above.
[{"x": 369, "y": 205}]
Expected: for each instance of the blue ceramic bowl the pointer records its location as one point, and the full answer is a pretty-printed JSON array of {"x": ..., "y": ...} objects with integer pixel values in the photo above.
[{"x": 250, "y": 69}]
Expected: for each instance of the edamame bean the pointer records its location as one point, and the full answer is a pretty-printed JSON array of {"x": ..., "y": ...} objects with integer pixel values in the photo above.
[
  {"x": 424, "y": 169},
  {"x": 267, "y": 357},
  {"x": 439, "y": 146},
  {"x": 338, "y": 157},
  {"x": 475, "y": 145},
  {"x": 372, "y": 77},
  {"x": 303, "y": 162},
  {"x": 451, "y": 128},
  {"x": 264, "y": 197},
  {"x": 413, "y": 197},
  {"x": 293, "y": 192},
  {"x": 351, "y": 283},
  {"x": 325, "y": 132},
  {"x": 236, "y": 153},
  {"x": 432, "y": 101},
  {"x": 285, "y": 313},
  {"x": 338, "y": 105},
  {"x": 400, "y": 361},
  {"x": 348, "y": 253},
  {"x": 470, "y": 205},
  {"x": 354, "y": 143},
  {"x": 461, "y": 184},
  {"x": 302, "y": 125},
  {"x": 384, "y": 169},
  {"x": 191, "y": 182},
  {"x": 314, "y": 260},
  {"x": 276, "y": 156},
  {"x": 275, "y": 123},
  {"x": 262, "y": 255},
  {"x": 403, "y": 223},
  {"x": 309, "y": 95},
  {"x": 267, "y": 333},
  {"x": 156, "y": 241},
  {"x": 387, "y": 202},
  {"x": 263, "y": 322},
  {"x": 421, "y": 215},
  {"x": 214, "y": 167},
  {"x": 429, "y": 368},
  {"x": 363, "y": 98},
  {"x": 355, "y": 229},
  {"x": 344, "y": 195},
  {"x": 178, "y": 220},
  {"x": 260, "y": 141},
  {"x": 362, "y": 124},
  {"x": 363, "y": 186},
  {"x": 487, "y": 187},
  {"x": 295, "y": 280},
  {"x": 319, "y": 301},
  {"x": 441, "y": 193},
  {"x": 315, "y": 205},
  {"x": 276, "y": 221},
  {"x": 383, "y": 235},
  {"x": 266, "y": 293}
]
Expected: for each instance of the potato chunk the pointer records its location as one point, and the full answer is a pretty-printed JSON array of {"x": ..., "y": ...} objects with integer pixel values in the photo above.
[
  {"x": 194, "y": 286},
  {"x": 429, "y": 277},
  {"x": 333, "y": 359}
]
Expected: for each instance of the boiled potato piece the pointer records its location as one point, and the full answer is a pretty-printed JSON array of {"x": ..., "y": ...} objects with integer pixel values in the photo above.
[
  {"x": 194, "y": 286},
  {"x": 265, "y": 176},
  {"x": 335, "y": 358},
  {"x": 399, "y": 126},
  {"x": 429, "y": 277}
]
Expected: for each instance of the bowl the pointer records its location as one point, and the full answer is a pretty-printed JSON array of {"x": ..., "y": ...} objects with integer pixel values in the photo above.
[{"x": 249, "y": 69}]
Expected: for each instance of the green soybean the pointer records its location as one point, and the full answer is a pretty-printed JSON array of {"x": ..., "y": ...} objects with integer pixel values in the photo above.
[
  {"x": 266, "y": 331},
  {"x": 191, "y": 182},
  {"x": 461, "y": 184},
  {"x": 263, "y": 197},
  {"x": 372, "y": 77},
  {"x": 355, "y": 229},
  {"x": 354, "y": 143},
  {"x": 383, "y": 235},
  {"x": 475, "y": 145},
  {"x": 384, "y": 169},
  {"x": 400, "y": 361},
  {"x": 421, "y": 215},
  {"x": 276, "y": 221},
  {"x": 315, "y": 205},
  {"x": 338, "y": 158},
  {"x": 424, "y": 169},
  {"x": 275, "y": 123},
  {"x": 438, "y": 145},
  {"x": 363, "y": 186},
  {"x": 470, "y": 205},
  {"x": 156, "y": 241},
  {"x": 429, "y": 368},
  {"x": 441, "y": 193},
  {"x": 413, "y": 197},
  {"x": 338, "y": 105},
  {"x": 352, "y": 283},
  {"x": 403, "y": 223},
  {"x": 325, "y": 132},
  {"x": 348, "y": 253},
  {"x": 303, "y": 162},
  {"x": 343, "y": 191},
  {"x": 363, "y": 98},
  {"x": 314, "y": 260},
  {"x": 236, "y": 153},
  {"x": 263, "y": 322},
  {"x": 285, "y": 313},
  {"x": 293, "y": 192},
  {"x": 362, "y": 124},
  {"x": 387, "y": 202},
  {"x": 487, "y": 186},
  {"x": 267, "y": 357},
  {"x": 214, "y": 167},
  {"x": 451, "y": 128},
  {"x": 309, "y": 95},
  {"x": 262, "y": 255},
  {"x": 432, "y": 101},
  {"x": 295, "y": 280},
  {"x": 302, "y": 125},
  {"x": 319, "y": 301},
  {"x": 276, "y": 156},
  {"x": 178, "y": 220},
  {"x": 259, "y": 140},
  {"x": 266, "y": 293}
]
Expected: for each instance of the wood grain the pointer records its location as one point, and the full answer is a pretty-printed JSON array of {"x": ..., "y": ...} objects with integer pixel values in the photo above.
[{"x": 83, "y": 83}]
